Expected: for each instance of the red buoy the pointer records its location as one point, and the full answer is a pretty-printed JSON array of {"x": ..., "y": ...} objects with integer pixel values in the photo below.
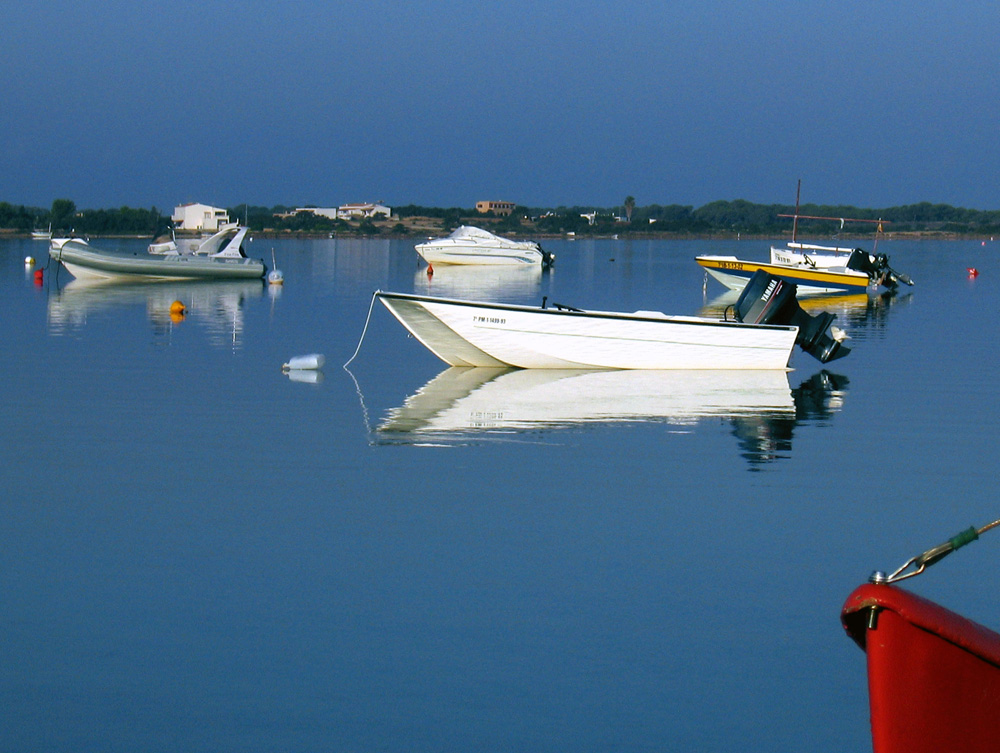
[
  {"x": 38, "y": 276},
  {"x": 973, "y": 272}
]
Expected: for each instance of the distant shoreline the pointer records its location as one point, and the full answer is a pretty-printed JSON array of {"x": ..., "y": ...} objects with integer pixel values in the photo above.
[{"x": 917, "y": 235}]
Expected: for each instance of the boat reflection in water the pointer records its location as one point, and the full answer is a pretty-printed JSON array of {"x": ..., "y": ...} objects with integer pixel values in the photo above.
[
  {"x": 859, "y": 313},
  {"x": 764, "y": 438},
  {"x": 465, "y": 404},
  {"x": 215, "y": 305},
  {"x": 492, "y": 282}
]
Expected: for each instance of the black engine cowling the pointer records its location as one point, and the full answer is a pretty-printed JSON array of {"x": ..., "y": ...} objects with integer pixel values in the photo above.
[{"x": 770, "y": 300}]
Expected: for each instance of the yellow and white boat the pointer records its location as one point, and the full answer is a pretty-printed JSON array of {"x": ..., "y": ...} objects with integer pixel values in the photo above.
[{"x": 859, "y": 272}]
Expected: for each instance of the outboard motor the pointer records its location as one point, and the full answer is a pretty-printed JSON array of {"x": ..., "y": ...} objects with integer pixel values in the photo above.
[
  {"x": 770, "y": 300},
  {"x": 878, "y": 271}
]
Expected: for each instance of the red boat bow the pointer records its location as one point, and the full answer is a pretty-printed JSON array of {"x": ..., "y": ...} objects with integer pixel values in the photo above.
[{"x": 933, "y": 675}]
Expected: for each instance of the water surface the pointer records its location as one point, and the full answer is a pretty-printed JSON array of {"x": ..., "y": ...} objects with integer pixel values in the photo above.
[{"x": 200, "y": 553}]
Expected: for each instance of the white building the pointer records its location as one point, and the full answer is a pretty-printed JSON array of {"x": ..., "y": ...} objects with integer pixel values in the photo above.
[
  {"x": 199, "y": 217},
  {"x": 345, "y": 211}
]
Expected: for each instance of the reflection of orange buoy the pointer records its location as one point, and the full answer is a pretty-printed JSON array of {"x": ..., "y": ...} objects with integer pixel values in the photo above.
[{"x": 973, "y": 272}]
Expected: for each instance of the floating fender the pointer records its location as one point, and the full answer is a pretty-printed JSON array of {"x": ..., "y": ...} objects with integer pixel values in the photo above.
[{"x": 310, "y": 362}]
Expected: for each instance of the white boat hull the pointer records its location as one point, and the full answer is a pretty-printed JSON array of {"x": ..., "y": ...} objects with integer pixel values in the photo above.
[
  {"x": 470, "y": 245},
  {"x": 466, "y": 333},
  {"x": 439, "y": 254}
]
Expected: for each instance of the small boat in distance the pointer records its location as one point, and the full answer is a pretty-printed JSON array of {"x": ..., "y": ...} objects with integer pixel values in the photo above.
[
  {"x": 473, "y": 245},
  {"x": 219, "y": 261},
  {"x": 767, "y": 323},
  {"x": 817, "y": 269},
  {"x": 42, "y": 235},
  {"x": 860, "y": 272},
  {"x": 933, "y": 675}
]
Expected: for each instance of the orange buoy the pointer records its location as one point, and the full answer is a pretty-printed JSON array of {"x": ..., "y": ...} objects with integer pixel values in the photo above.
[{"x": 178, "y": 308}]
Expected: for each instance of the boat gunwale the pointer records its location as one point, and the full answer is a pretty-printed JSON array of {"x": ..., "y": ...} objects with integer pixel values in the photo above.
[
  {"x": 521, "y": 308},
  {"x": 922, "y": 614}
]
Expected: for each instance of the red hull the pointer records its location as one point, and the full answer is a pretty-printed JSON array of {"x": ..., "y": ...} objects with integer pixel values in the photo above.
[{"x": 933, "y": 676}]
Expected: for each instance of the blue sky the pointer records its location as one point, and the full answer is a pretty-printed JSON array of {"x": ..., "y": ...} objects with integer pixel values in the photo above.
[{"x": 444, "y": 103}]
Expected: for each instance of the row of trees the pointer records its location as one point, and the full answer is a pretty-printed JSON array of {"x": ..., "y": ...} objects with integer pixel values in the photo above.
[
  {"x": 716, "y": 217},
  {"x": 64, "y": 218}
]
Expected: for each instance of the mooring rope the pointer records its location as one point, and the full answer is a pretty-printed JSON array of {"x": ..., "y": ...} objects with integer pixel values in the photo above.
[
  {"x": 365, "y": 330},
  {"x": 922, "y": 561}
]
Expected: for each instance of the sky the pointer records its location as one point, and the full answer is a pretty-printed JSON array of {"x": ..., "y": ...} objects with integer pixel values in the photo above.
[{"x": 445, "y": 103}]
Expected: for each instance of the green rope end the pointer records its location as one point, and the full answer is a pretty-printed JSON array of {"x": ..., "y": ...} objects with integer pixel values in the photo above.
[{"x": 965, "y": 537}]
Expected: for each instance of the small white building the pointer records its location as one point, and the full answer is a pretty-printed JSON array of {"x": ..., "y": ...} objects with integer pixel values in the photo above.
[
  {"x": 346, "y": 211},
  {"x": 199, "y": 217}
]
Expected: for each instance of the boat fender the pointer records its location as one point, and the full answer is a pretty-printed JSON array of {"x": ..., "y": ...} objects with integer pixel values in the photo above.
[{"x": 309, "y": 362}]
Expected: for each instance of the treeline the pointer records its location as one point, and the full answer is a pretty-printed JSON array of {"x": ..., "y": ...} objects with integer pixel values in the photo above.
[
  {"x": 64, "y": 218},
  {"x": 716, "y": 217}
]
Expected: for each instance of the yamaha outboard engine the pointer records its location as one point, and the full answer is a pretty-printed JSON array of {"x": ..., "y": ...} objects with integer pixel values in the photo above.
[{"x": 770, "y": 300}]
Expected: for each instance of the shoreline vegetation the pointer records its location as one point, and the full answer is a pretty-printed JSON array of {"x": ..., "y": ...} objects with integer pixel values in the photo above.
[{"x": 719, "y": 220}]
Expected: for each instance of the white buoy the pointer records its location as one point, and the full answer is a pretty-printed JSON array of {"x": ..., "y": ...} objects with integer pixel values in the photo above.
[
  {"x": 309, "y": 362},
  {"x": 29, "y": 261},
  {"x": 274, "y": 277}
]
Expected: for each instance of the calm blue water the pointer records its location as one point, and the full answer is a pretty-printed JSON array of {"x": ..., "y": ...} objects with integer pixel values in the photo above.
[{"x": 199, "y": 553}]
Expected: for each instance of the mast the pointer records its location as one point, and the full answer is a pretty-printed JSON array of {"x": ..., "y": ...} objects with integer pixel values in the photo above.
[{"x": 795, "y": 222}]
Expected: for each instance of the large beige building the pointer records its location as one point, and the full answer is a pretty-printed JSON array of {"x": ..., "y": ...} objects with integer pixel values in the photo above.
[{"x": 497, "y": 207}]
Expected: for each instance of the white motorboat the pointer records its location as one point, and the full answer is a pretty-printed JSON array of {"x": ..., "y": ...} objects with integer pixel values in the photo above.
[
  {"x": 219, "y": 261},
  {"x": 472, "y": 245},
  {"x": 767, "y": 323},
  {"x": 42, "y": 235}
]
